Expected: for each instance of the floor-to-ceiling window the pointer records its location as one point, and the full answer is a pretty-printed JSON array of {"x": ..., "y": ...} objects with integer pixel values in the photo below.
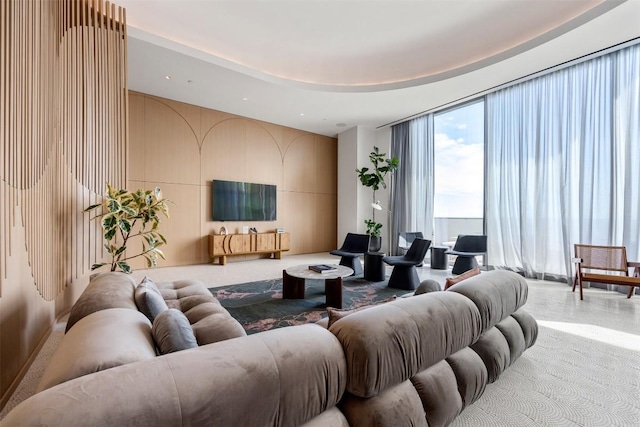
[
  {"x": 561, "y": 166},
  {"x": 459, "y": 171}
]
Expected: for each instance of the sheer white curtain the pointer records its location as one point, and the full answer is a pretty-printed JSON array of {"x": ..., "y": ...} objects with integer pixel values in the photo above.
[
  {"x": 411, "y": 189},
  {"x": 563, "y": 165}
]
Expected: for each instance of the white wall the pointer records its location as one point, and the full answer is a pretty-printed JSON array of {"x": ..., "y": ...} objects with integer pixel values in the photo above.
[
  {"x": 383, "y": 142},
  {"x": 354, "y": 200},
  {"x": 347, "y": 183}
]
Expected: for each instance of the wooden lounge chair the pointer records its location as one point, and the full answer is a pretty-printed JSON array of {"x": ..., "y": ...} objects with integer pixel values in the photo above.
[{"x": 612, "y": 259}]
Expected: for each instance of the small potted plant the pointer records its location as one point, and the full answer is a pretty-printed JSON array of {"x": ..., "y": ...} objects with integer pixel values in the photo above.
[
  {"x": 374, "y": 179},
  {"x": 130, "y": 215}
]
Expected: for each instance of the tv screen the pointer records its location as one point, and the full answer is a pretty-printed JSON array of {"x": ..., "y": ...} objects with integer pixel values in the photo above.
[{"x": 243, "y": 201}]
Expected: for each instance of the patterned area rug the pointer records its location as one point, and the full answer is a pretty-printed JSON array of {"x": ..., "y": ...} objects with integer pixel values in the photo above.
[{"x": 259, "y": 306}]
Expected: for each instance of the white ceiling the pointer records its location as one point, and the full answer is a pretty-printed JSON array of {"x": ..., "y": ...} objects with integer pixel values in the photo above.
[{"x": 326, "y": 65}]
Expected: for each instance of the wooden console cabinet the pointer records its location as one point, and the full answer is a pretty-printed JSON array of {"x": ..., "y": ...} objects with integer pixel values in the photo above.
[{"x": 223, "y": 245}]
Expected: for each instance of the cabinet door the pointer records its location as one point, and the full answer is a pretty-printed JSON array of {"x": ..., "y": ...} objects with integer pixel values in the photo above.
[
  {"x": 216, "y": 245},
  {"x": 234, "y": 244},
  {"x": 284, "y": 241},
  {"x": 265, "y": 242}
]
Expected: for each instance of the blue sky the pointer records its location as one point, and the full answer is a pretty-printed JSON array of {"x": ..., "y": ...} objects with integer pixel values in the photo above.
[{"x": 459, "y": 162}]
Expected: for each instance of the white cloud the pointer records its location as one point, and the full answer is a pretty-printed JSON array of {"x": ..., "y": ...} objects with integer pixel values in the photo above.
[{"x": 459, "y": 178}]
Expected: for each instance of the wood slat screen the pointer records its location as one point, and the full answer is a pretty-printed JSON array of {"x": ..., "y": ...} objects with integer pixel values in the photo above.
[{"x": 63, "y": 112}]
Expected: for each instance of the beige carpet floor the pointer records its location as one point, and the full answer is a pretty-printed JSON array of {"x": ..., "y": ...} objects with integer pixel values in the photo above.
[{"x": 584, "y": 369}]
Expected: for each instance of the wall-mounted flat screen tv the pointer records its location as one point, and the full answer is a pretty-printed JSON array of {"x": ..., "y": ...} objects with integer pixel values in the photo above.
[{"x": 243, "y": 201}]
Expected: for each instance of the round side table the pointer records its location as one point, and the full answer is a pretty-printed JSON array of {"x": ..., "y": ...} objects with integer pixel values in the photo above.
[
  {"x": 439, "y": 257},
  {"x": 374, "y": 266}
]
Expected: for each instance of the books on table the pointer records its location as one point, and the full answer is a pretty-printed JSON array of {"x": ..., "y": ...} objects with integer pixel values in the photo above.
[{"x": 322, "y": 268}]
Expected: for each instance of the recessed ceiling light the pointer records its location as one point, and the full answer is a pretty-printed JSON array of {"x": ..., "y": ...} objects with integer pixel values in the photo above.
[
  {"x": 302, "y": 114},
  {"x": 167, "y": 77},
  {"x": 245, "y": 99}
]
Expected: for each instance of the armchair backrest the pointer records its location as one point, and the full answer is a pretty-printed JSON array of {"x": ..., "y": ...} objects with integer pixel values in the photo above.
[
  {"x": 471, "y": 243},
  {"x": 405, "y": 239},
  {"x": 357, "y": 243},
  {"x": 610, "y": 258},
  {"x": 418, "y": 250}
]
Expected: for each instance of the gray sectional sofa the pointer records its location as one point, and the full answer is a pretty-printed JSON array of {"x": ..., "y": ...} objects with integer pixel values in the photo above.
[{"x": 415, "y": 361}]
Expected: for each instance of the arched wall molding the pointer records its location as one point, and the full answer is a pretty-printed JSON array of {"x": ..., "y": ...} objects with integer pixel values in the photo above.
[
  {"x": 179, "y": 114},
  {"x": 64, "y": 119},
  {"x": 201, "y": 140},
  {"x": 293, "y": 141},
  {"x": 253, "y": 123}
]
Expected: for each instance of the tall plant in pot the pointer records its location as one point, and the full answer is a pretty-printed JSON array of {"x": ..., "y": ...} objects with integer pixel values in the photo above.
[
  {"x": 375, "y": 179},
  {"x": 128, "y": 217}
]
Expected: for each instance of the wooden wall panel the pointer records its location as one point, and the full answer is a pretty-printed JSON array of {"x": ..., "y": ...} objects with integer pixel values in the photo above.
[
  {"x": 63, "y": 125},
  {"x": 302, "y": 221},
  {"x": 183, "y": 247},
  {"x": 171, "y": 146},
  {"x": 263, "y": 156},
  {"x": 326, "y": 220},
  {"x": 224, "y": 151},
  {"x": 301, "y": 164},
  {"x": 327, "y": 170},
  {"x": 136, "y": 133}
]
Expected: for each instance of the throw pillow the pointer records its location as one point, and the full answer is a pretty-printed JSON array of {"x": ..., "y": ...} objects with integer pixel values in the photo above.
[
  {"x": 149, "y": 300},
  {"x": 450, "y": 281},
  {"x": 336, "y": 314},
  {"x": 172, "y": 332}
]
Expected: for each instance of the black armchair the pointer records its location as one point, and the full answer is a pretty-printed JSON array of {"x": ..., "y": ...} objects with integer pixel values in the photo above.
[
  {"x": 406, "y": 238},
  {"x": 354, "y": 246},
  {"x": 467, "y": 247},
  {"x": 404, "y": 274}
]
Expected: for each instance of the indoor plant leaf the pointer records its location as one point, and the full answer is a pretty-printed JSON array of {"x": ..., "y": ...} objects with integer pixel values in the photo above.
[
  {"x": 109, "y": 221},
  {"x": 124, "y": 225},
  {"x": 124, "y": 266},
  {"x": 124, "y": 209},
  {"x": 95, "y": 266},
  {"x": 113, "y": 205},
  {"x": 92, "y": 207}
]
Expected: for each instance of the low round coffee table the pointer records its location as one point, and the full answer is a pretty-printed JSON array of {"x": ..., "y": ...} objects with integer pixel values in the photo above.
[{"x": 293, "y": 282}]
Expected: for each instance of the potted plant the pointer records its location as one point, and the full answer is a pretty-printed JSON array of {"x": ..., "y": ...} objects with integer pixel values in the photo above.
[
  {"x": 128, "y": 215},
  {"x": 374, "y": 179}
]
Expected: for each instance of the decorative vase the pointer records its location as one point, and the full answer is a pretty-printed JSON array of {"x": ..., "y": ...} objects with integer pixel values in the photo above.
[{"x": 375, "y": 243}]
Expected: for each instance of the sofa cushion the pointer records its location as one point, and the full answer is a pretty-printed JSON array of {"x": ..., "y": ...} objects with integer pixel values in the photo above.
[
  {"x": 149, "y": 300},
  {"x": 497, "y": 294},
  {"x": 389, "y": 343},
  {"x": 210, "y": 321},
  {"x": 110, "y": 289},
  {"x": 398, "y": 405},
  {"x": 179, "y": 289},
  {"x": 172, "y": 332},
  {"x": 100, "y": 341}
]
